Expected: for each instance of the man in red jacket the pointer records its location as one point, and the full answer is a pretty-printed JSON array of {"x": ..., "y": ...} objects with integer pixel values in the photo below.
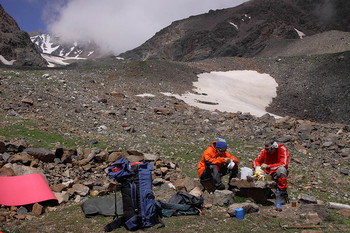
[
  {"x": 217, "y": 162},
  {"x": 274, "y": 160}
]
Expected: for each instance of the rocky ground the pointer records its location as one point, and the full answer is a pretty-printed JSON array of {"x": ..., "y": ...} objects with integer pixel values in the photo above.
[{"x": 97, "y": 102}]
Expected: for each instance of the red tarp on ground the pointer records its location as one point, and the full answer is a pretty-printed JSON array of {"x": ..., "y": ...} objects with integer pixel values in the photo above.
[{"x": 23, "y": 190}]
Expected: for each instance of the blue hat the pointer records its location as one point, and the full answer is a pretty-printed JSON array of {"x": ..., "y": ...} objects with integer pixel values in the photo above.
[{"x": 221, "y": 144}]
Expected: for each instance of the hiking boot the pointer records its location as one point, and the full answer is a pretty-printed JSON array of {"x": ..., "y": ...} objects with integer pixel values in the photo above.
[{"x": 220, "y": 187}]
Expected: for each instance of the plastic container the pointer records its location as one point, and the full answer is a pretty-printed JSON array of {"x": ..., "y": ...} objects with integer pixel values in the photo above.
[
  {"x": 294, "y": 202},
  {"x": 246, "y": 171},
  {"x": 239, "y": 213},
  {"x": 278, "y": 206},
  {"x": 278, "y": 201}
]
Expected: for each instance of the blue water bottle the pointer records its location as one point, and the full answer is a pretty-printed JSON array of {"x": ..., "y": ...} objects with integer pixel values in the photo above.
[{"x": 278, "y": 201}]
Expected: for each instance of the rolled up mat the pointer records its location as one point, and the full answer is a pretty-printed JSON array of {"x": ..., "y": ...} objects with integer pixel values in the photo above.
[{"x": 23, "y": 190}]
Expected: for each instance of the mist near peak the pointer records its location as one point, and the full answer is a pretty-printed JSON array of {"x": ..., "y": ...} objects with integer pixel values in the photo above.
[
  {"x": 121, "y": 25},
  {"x": 325, "y": 11}
]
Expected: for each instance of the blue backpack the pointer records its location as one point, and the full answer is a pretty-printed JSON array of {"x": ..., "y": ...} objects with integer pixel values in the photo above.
[{"x": 139, "y": 206}]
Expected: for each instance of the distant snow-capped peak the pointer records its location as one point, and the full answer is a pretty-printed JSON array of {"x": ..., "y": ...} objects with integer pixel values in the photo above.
[{"x": 49, "y": 44}]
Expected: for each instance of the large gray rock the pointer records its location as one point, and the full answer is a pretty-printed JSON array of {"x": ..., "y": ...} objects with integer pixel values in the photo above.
[
  {"x": 224, "y": 197},
  {"x": 23, "y": 158},
  {"x": 247, "y": 208},
  {"x": 304, "y": 198},
  {"x": 41, "y": 154},
  {"x": 20, "y": 170},
  {"x": 81, "y": 189},
  {"x": 62, "y": 197},
  {"x": 321, "y": 210}
]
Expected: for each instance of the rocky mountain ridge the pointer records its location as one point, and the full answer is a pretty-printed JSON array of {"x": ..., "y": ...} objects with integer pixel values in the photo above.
[
  {"x": 15, "y": 45},
  {"x": 245, "y": 30}
]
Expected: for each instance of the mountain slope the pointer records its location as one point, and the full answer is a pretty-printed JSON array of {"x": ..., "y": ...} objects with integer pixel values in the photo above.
[
  {"x": 244, "y": 30},
  {"x": 15, "y": 45},
  {"x": 322, "y": 43}
]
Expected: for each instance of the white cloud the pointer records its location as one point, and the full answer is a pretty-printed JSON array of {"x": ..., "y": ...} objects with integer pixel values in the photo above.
[{"x": 121, "y": 25}]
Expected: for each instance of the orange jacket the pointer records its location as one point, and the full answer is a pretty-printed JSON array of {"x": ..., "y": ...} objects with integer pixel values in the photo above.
[
  {"x": 278, "y": 159},
  {"x": 213, "y": 157}
]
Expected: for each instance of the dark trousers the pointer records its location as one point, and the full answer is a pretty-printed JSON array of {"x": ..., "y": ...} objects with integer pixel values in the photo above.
[{"x": 211, "y": 172}]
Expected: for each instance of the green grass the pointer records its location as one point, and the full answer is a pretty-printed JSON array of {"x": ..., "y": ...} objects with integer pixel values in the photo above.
[
  {"x": 34, "y": 135},
  {"x": 72, "y": 219}
]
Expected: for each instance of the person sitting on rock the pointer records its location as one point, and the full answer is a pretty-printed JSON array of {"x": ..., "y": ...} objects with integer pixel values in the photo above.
[
  {"x": 217, "y": 162},
  {"x": 274, "y": 160}
]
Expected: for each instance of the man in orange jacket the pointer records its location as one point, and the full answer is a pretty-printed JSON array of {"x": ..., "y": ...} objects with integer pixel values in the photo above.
[
  {"x": 217, "y": 162},
  {"x": 274, "y": 160}
]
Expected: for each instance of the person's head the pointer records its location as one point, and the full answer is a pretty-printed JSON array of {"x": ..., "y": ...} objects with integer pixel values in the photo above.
[
  {"x": 271, "y": 146},
  {"x": 221, "y": 145}
]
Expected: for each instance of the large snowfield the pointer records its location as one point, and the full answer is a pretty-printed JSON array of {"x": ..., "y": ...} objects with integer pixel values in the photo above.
[{"x": 232, "y": 91}]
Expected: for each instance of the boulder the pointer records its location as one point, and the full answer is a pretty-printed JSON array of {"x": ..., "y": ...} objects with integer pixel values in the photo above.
[
  {"x": 37, "y": 209},
  {"x": 247, "y": 208},
  {"x": 224, "y": 197},
  {"x": 81, "y": 189},
  {"x": 2, "y": 147},
  {"x": 5, "y": 156},
  {"x": 321, "y": 210},
  {"x": 115, "y": 156},
  {"x": 15, "y": 147},
  {"x": 134, "y": 152},
  {"x": 313, "y": 219},
  {"x": 20, "y": 170},
  {"x": 41, "y": 154},
  {"x": 189, "y": 184},
  {"x": 62, "y": 197},
  {"x": 67, "y": 156},
  {"x": 23, "y": 158},
  {"x": 7, "y": 171},
  {"x": 157, "y": 181},
  {"x": 304, "y": 198},
  {"x": 58, "y": 187},
  {"x": 101, "y": 157},
  {"x": 150, "y": 157}
]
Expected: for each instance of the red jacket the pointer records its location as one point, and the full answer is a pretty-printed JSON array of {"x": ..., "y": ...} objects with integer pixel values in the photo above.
[
  {"x": 212, "y": 156},
  {"x": 275, "y": 160}
]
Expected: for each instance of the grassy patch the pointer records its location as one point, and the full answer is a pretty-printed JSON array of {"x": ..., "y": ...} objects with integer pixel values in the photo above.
[{"x": 34, "y": 135}]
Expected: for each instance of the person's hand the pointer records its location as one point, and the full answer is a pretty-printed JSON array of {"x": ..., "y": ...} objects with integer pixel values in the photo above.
[
  {"x": 264, "y": 166},
  {"x": 227, "y": 160}
]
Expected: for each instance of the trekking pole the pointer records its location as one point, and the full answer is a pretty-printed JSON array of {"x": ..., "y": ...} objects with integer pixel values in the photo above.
[{"x": 115, "y": 202}]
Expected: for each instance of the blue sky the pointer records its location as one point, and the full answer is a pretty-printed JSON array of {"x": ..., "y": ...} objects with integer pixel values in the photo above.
[
  {"x": 116, "y": 25},
  {"x": 27, "y": 13}
]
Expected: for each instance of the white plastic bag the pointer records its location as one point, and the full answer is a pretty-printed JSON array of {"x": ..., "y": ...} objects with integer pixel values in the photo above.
[{"x": 246, "y": 171}]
